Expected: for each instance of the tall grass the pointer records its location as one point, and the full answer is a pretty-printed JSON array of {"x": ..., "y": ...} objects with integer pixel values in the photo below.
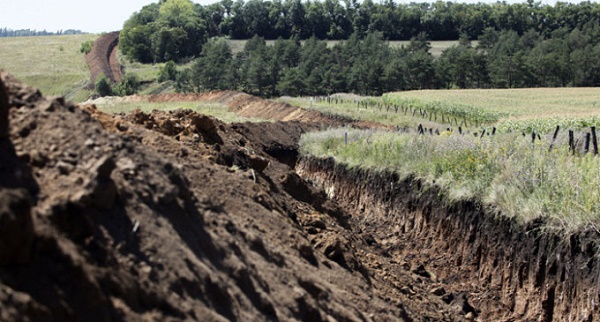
[
  {"x": 53, "y": 64},
  {"x": 505, "y": 173}
]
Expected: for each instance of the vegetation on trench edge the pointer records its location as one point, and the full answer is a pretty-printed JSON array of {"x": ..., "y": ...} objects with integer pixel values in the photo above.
[{"x": 506, "y": 173}]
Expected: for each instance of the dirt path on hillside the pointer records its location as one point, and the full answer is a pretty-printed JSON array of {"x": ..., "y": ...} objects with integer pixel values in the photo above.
[{"x": 102, "y": 59}]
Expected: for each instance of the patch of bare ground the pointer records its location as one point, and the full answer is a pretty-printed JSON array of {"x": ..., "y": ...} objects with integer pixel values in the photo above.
[{"x": 177, "y": 216}]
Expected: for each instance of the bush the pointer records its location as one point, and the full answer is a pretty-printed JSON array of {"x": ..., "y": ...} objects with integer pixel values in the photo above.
[
  {"x": 167, "y": 72},
  {"x": 128, "y": 86},
  {"x": 103, "y": 87},
  {"x": 86, "y": 47}
]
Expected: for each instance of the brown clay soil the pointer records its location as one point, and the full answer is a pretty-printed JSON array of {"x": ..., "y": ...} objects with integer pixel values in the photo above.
[
  {"x": 102, "y": 59},
  {"x": 173, "y": 216},
  {"x": 177, "y": 216}
]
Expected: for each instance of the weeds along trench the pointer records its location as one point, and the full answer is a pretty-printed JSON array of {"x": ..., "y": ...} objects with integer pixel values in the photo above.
[{"x": 506, "y": 270}]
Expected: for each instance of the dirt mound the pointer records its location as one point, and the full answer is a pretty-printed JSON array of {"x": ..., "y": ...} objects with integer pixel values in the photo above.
[
  {"x": 177, "y": 216},
  {"x": 102, "y": 59},
  {"x": 254, "y": 107}
]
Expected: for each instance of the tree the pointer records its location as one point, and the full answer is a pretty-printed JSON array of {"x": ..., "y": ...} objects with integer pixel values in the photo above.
[
  {"x": 102, "y": 87},
  {"x": 213, "y": 69},
  {"x": 169, "y": 30}
]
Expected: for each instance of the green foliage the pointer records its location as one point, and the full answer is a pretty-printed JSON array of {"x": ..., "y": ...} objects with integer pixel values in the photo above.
[
  {"x": 505, "y": 172},
  {"x": 169, "y": 30},
  {"x": 167, "y": 72},
  {"x": 86, "y": 47},
  {"x": 128, "y": 86},
  {"x": 103, "y": 87}
]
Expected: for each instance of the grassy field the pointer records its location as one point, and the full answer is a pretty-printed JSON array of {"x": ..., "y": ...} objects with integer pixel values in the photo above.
[
  {"x": 527, "y": 110},
  {"x": 506, "y": 173},
  {"x": 52, "y": 63},
  {"x": 217, "y": 110},
  {"x": 517, "y": 103}
]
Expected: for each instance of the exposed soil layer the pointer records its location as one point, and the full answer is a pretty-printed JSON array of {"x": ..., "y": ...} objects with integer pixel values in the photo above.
[
  {"x": 177, "y": 216},
  {"x": 507, "y": 271},
  {"x": 102, "y": 59}
]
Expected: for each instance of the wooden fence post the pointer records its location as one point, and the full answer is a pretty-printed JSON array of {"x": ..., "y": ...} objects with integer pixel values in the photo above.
[
  {"x": 571, "y": 142},
  {"x": 594, "y": 140},
  {"x": 554, "y": 138},
  {"x": 587, "y": 142}
]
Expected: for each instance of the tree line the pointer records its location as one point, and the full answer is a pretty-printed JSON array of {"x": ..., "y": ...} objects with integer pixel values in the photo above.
[
  {"x": 176, "y": 29},
  {"x": 370, "y": 66},
  {"x": 6, "y": 32}
]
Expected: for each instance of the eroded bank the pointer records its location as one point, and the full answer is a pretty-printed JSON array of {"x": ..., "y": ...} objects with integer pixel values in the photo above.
[{"x": 507, "y": 270}]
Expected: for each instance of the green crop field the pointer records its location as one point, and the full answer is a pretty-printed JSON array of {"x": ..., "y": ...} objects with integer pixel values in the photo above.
[
  {"x": 517, "y": 103},
  {"x": 507, "y": 173},
  {"x": 53, "y": 64},
  {"x": 527, "y": 110}
]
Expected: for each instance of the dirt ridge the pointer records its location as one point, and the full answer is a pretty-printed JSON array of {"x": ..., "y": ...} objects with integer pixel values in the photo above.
[
  {"x": 173, "y": 216},
  {"x": 102, "y": 59},
  {"x": 513, "y": 272}
]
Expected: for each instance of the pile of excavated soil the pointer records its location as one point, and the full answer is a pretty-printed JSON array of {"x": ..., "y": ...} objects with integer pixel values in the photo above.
[
  {"x": 177, "y": 216},
  {"x": 249, "y": 106}
]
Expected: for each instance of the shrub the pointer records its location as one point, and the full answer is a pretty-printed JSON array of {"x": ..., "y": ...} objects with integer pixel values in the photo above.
[
  {"x": 86, "y": 47},
  {"x": 103, "y": 87},
  {"x": 128, "y": 86}
]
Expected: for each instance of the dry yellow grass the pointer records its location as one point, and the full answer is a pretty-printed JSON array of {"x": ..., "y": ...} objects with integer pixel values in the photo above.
[
  {"x": 526, "y": 103},
  {"x": 53, "y": 64}
]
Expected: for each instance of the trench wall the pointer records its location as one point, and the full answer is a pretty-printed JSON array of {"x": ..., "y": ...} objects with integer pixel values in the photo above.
[{"x": 531, "y": 274}]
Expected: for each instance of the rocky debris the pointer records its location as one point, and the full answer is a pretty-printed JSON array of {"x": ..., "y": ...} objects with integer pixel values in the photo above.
[
  {"x": 16, "y": 226},
  {"x": 206, "y": 126},
  {"x": 100, "y": 190}
]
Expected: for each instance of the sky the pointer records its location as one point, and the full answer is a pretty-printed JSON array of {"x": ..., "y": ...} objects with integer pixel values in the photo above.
[
  {"x": 93, "y": 16},
  {"x": 88, "y": 16}
]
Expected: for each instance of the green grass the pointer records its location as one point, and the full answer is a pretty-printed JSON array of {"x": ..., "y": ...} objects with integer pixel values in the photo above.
[
  {"x": 535, "y": 109},
  {"x": 506, "y": 173},
  {"x": 51, "y": 63},
  {"x": 217, "y": 110}
]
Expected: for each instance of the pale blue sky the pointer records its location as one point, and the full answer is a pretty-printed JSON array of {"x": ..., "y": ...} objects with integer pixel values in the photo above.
[
  {"x": 91, "y": 16},
  {"x": 52, "y": 15}
]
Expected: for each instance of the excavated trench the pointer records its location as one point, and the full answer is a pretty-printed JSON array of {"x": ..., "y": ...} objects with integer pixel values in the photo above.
[{"x": 508, "y": 271}]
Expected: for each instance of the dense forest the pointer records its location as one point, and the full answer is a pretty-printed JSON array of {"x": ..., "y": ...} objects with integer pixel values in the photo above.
[
  {"x": 5, "y": 32},
  {"x": 173, "y": 29},
  {"x": 518, "y": 45},
  {"x": 370, "y": 66}
]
